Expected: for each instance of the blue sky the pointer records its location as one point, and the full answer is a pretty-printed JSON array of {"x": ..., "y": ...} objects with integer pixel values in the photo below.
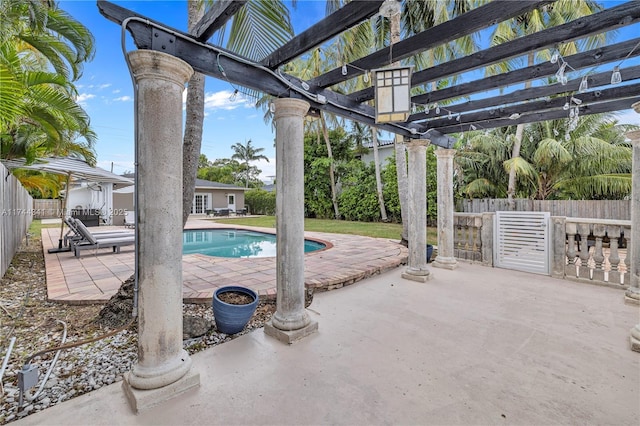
[{"x": 106, "y": 92}]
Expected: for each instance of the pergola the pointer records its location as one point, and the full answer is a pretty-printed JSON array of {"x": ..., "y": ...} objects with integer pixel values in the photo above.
[{"x": 167, "y": 57}]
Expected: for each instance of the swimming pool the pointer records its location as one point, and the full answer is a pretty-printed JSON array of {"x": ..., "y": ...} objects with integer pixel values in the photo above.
[{"x": 235, "y": 243}]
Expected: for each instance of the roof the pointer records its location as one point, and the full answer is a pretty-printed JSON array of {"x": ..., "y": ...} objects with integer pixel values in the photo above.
[
  {"x": 78, "y": 169},
  {"x": 200, "y": 184}
]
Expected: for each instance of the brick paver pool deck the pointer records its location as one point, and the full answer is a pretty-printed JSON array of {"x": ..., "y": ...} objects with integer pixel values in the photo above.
[{"x": 96, "y": 276}]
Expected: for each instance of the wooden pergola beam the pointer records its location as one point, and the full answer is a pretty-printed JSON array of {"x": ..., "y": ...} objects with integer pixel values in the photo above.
[
  {"x": 578, "y": 61},
  {"x": 216, "y": 17},
  {"x": 351, "y": 14},
  {"x": 537, "y": 92},
  {"x": 468, "y": 23},
  {"x": 587, "y": 98},
  {"x": 616, "y": 17},
  {"x": 224, "y": 65},
  {"x": 599, "y": 108}
]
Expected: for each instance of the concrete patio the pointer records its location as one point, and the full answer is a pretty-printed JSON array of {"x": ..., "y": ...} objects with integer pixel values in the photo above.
[
  {"x": 95, "y": 277},
  {"x": 475, "y": 345}
]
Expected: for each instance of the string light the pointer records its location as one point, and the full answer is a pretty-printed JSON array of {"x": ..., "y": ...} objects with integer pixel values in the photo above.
[
  {"x": 437, "y": 108},
  {"x": 566, "y": 106},
  {"x": 514, "y": 116},
  {"x": 576, "y": 101},
  {"x": 233, "y": 96},
  {"x": 584, "y": 84},
  {"x": 616, "y": 78},
  {"x": 344, "y": 69}
]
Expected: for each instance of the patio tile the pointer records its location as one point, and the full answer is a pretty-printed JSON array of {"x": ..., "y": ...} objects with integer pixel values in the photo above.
[{"x": 94, "y": 278}]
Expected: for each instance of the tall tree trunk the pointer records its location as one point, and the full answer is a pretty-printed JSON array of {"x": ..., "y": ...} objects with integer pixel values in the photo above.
[
  {"x": 193, "y": 124},
  {"x": 403, "y": 186},
  {"x": 334, "y": 194},
  {"x": 376, "y": 162},
  {"x": 401, "y": 149},
  {"x": 515, "y": 152}
]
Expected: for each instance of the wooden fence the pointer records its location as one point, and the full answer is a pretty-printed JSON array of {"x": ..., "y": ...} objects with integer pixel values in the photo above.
[
  {"x": 593, "y": 209},
  {"x": 15, "y": 217},
  {"x": 46, "y": 209}
]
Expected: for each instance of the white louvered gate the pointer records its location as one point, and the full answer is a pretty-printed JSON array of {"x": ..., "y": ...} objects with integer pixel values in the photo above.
[{"x": 522, "y": 241}]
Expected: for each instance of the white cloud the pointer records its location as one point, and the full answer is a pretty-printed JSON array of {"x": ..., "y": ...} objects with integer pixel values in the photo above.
[
  {"x": 223, "y": 101},
  {"x": 115, "y": 91},
  {"x": 123, "y": 99},
  {"x": 84, "y": 97},
  {"x": 104, "y": 86},
  {"x": 268, "y": 169}
]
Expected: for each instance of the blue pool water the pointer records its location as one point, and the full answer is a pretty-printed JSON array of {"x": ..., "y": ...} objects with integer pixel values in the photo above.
[{"x": 235, "y": 243}]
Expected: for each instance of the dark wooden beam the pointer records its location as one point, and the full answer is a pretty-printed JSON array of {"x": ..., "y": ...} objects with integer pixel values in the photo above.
[
  {"x": 346, "y": 17},
  {"x": 599, "y": 108},
  {"x": 578, "y": 61},
  {"x": 537, "y": 92},
  {"x": 468, "y": 23},
  {"x": 616, "y": 17},
  {"x": 224, "y": 65},
  {"x": 587, "y": 98},
  {"x": 216, "y": 17}
]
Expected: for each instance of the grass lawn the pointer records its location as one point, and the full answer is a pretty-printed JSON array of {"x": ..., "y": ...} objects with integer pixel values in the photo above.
[
  {"x": 369, "y": 229},
  {"x": 36, "y": 226}
]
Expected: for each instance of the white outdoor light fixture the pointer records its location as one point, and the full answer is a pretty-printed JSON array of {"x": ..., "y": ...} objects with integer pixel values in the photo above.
[{"x": 393, "y": 94}]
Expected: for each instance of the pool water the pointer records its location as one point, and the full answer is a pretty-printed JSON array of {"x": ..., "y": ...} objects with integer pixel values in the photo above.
[{"x": 235, "y": 243}]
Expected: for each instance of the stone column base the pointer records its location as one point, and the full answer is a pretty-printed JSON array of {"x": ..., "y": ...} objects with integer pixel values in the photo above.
[
  {"x": 634, "y": 339},
  {"x": 290, "y": 336},
  {"x": 421, "y": 276},
  {"x": 445, "y": 263},
  {"x": 142, "y": 399},
  {"x": 632, "y": 296}
]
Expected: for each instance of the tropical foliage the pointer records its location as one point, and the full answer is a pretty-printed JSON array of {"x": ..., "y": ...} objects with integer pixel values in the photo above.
[
  {"x": 592, "y": 162},
  {"x": 42, "y": 50}
]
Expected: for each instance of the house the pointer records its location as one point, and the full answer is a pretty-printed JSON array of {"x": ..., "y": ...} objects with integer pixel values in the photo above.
[
  {"x": 385, "y": 151},
  {"x": 208, "y": 196}
]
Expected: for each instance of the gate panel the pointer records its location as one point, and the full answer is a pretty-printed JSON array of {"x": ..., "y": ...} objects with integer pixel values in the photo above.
[{"x": 522, "y": 241}]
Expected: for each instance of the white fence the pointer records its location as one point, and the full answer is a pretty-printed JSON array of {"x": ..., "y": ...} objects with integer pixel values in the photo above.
[{"x": 15, "y": 217}]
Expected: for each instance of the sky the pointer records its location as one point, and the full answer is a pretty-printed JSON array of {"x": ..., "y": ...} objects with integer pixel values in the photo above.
[{"x": 106, "y": 92}]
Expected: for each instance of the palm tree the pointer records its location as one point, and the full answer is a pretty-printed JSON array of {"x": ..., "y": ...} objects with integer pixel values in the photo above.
[
  {"x": 593, "y": 163},
  {"x": 39, "y": 115},
  {"x": 256, "y": 30},
  {"x": 554, "y": 14},
  {"x": 246, "y": 153}
]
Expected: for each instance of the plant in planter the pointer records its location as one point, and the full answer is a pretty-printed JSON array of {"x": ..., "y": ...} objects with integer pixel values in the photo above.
[{"x": 233, "y": 307}]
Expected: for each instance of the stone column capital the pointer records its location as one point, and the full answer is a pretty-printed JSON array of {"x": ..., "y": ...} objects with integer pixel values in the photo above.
[
  {"x": 411, "y": 143},
  {"x": 159, "y": 65},
  {"x": 290, "y": 107},
  {"x": 634, "y": 135},
  {"x": 445, "y": 152}
]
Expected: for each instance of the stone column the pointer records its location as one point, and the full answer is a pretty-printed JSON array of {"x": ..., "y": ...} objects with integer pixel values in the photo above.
[
  {"x": 632, "y": 294},
  {"x": 417, "y": 214},
  {"x": 162, "y": 369},
  {"x": 291, "y": 321},
  {"x": 445, "y": 258}
]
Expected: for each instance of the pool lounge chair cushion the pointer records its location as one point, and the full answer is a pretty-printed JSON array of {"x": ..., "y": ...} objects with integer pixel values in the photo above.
[
  {"x": 91, "y": 242},
  {"x": 74, "y": 234}
]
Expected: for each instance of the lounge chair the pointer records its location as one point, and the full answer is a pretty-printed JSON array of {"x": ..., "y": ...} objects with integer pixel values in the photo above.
[
  {"x": 90, "y": 241},
  {"x": 74, "y": 234}
]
